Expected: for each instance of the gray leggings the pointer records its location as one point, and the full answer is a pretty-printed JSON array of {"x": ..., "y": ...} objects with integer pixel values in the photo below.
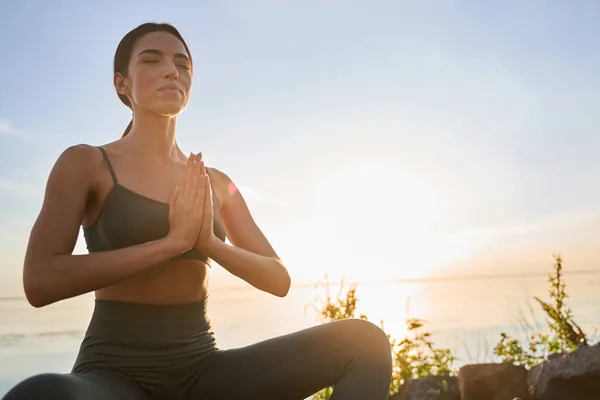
[{"x": 142, "y": 352}]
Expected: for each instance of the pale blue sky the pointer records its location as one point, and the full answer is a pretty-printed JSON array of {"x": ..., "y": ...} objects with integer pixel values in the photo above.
[{"x": 490, "y": 108}]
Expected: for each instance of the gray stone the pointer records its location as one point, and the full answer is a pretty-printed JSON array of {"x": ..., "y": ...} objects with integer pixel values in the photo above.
[
  {"x": 429, "y": 388},
  {"x": 573, "y": 376},
  {"x": 493, "y": 381}
]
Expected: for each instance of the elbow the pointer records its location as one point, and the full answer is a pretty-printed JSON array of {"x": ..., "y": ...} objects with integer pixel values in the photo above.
[
  {"x": 35, "y": 296},
  {"x": 284, "y": 284},
  {"x": 35, "y": 291},
  {"x": 37, "y": 303}
]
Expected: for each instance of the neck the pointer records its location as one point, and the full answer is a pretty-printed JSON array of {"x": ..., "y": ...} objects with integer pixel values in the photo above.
[{"x": 154, "y": 135}]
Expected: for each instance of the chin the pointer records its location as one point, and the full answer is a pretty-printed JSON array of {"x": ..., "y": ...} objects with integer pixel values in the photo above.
[{"x": 171, "y": 109}]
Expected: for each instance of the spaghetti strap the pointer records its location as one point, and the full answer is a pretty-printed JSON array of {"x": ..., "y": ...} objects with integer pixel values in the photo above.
[{"x": 108, "y": 164}]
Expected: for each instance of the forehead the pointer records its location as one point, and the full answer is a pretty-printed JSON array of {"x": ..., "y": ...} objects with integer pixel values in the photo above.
[{"x": 163, "y": 41}]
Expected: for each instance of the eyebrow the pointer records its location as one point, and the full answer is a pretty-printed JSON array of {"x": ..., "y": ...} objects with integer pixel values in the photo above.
[{"x": 160, "y": 53}]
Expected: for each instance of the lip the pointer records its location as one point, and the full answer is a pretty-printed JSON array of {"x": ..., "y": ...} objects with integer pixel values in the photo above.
[{"x": 170, "y": 88}]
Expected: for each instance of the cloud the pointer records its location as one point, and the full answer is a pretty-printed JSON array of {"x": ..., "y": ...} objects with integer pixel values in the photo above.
[
  {"x": 561, "y": 229},
  {"x": 18, "y": 189},
  {"x": 7, "y": 129},
  {"x": 555, "y": 222}
]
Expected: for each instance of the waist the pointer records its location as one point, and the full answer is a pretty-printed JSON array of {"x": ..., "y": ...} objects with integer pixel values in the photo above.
[
  {"x": 163, "y": 348},
  {"x": 174, "y": 282},
  {"x": 149, "y": 325}
]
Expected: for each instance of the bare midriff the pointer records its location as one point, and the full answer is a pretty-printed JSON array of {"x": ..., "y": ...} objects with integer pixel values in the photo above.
[{"x": 174, "y": 282}]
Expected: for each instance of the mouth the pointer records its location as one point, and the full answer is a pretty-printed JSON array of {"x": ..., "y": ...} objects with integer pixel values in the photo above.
[{"x": 170, "y": 88}]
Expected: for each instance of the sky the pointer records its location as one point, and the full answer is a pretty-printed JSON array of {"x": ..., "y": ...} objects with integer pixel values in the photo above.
[{"x": 377, "y": 141}]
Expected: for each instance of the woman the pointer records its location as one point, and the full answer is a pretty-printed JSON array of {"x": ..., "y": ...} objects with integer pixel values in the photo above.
[{"x": 152, "y": 219}]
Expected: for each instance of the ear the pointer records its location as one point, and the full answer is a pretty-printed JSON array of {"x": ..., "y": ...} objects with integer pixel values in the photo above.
[{"x": 122, "y": 84}]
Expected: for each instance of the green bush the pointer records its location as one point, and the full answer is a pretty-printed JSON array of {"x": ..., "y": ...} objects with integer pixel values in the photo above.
[
  {"x": 414, "y": 356},
  {"x": 563, "y": 336}
]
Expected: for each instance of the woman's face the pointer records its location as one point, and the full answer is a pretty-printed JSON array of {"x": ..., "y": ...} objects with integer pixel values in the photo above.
[{"x": 159, "y": 77}]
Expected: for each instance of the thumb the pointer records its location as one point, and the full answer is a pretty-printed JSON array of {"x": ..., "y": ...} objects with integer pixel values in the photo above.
[{"x": 174, "y": 197}]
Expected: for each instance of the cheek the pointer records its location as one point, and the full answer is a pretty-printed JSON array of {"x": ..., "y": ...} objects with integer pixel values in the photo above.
[
  {"x": 186, "y": 83},
  {"x": 143, "y": 82}
]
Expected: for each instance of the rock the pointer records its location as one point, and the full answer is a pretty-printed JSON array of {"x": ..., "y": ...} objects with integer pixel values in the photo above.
[
  {"x": 494, "y": 381},
  {"x": 573, "y": 376},
  {"x": 429, "y": 388}
]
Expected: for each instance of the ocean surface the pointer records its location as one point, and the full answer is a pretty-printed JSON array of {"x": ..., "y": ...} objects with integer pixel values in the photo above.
[{"x": 465, "y": 314}]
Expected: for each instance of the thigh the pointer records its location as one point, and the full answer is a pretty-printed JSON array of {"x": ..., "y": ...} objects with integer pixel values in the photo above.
[
  {"x": 291, "y": 367},
  {"x": 75, "y": 386}
]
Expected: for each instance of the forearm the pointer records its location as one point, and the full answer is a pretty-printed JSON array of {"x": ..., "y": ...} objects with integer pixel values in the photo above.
[
  {"x": 60, "y": 277},
  {"x": 262, "y": 272}
]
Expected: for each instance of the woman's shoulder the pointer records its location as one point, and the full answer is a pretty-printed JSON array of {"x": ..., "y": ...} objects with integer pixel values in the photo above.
[
  {"x": 80, "y": 159},
  {"x": 221, "y": 183},
  {"x": 78, "y": 153},
  {"x": 216, "y": 174}
]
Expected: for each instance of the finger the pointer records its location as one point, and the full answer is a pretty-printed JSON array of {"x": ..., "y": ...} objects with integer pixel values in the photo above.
[
  {"x": 174, "y": 197},
  {"x": 200, "y": 173},
  {"x": 208, "y": 195},
  {"x": 187, "y": 180},
  {"x": 190, "y": 178},
  {"x": 201, "y": 169},
  {"x": 194, "y": 189},
  {"x": 199, "y": 198},
  {"x": 201, "y": 161},
  {"x": 200, "y": 165}
]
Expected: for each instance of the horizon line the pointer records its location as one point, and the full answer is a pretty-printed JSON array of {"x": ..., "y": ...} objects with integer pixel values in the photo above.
[{"x": 433, "y": 279}]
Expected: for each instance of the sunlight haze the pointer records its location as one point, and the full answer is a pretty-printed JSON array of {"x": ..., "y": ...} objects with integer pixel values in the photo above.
[{"x": 378, "y": 141}]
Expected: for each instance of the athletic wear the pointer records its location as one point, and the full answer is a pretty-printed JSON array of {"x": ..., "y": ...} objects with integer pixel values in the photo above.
[
  {"x": 135, "y": 351},
  {"x": 168, "y": 352},
  {"x": 128, "y": 218}
]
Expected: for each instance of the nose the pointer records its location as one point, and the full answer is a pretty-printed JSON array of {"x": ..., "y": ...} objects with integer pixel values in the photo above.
[{"x": 170, "y": 71}]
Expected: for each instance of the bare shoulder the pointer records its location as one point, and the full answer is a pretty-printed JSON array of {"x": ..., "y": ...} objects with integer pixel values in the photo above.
[
  {"x": 222, "y": 184},
  {"x": 217, "y": 176},
  {"x": 67, "y": 189},
  {"x": 79, "y": 159},
  {"x": 241, "y": 228},
  {"x": 77, "y": 168}
]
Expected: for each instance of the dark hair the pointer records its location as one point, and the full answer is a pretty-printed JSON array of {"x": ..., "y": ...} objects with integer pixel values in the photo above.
[{"x": 123, "y": 53}]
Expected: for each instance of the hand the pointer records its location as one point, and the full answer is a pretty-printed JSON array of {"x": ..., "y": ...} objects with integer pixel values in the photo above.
[
  {"x": 207, "y": 235},
  {"x": 186, "y": 206}
]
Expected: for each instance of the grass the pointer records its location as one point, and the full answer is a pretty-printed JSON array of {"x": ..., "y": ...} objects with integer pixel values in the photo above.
[
  {"x": 416, "y": 355},
  {"x": 563, "y": 335}
]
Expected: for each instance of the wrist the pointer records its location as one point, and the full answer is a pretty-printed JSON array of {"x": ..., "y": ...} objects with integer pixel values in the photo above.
[
  {"x": 174, "y": 246},
  {"x": 213, "y": 248}
]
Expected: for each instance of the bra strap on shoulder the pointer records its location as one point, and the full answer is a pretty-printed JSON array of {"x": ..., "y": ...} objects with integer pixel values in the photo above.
[{"x": 108, "y": 164}]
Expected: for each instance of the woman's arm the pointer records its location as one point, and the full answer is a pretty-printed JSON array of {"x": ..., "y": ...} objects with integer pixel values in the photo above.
[
  {"x": 252, "y": 258},
  {"x": 51, "y": 272}
]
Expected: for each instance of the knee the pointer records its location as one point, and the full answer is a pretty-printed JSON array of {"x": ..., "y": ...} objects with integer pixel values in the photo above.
[
  {"x": 370, "y": 340},
  {"x": 43, "y": 386}
]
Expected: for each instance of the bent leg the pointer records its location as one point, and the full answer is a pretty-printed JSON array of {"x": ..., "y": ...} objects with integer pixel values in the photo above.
[
  {"x": 352, "y": 355},
  {"x": 80, "y": 386}
]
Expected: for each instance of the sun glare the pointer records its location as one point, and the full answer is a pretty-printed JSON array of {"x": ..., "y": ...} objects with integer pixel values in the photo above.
[
  {"x": 369, "y": 222},
  {"x": 379, "y": 220}
]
